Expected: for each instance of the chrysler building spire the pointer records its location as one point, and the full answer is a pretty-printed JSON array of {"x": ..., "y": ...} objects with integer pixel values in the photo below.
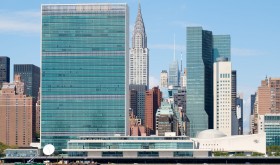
[
  {"x": 139, "y": 38},
  {"x": 139, "y": 53}
]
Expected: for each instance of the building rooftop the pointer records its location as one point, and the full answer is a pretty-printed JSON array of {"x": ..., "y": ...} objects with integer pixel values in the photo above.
[
  {"x": 165, "y": 109},
  {"x": 210, "y": 134},
  {"x": 8, "y": 86}
]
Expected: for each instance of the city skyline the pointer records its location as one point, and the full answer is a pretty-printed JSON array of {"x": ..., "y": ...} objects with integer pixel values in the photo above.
[{"x": 250, "y": 29}]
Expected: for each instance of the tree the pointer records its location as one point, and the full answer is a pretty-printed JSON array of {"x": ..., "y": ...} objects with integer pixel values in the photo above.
[
  {"x": 220, "y": 153},
  {"x": 273, "y": 150},
  {"x": 3, "y": 147}
]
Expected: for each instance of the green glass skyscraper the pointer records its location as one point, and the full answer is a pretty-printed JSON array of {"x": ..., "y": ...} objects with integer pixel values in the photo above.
[
  {"x": 221, "y": 46},
  {"x": 84, "y": 71},
  {"x": 199, "y": 80},
  {"x": 202, "y": 50}
]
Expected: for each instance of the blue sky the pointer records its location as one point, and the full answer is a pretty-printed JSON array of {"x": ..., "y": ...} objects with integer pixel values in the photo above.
[{"x": 253, "y": 26}]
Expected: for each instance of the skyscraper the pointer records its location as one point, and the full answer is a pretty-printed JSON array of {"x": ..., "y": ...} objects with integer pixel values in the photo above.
[
  {"x": 174, "y": 73},
  {"x": 221, "y": 46},
  {"x": 265, "y": 97},
  {"x": 16, "y": 115},
  {"x": 164, "y": 79},
  {"x": 183, "y": 80},
  {"x": 139, "y": 54},
  {"x": 84, "y": 71},
  {"x": 199, "y": 80},
  {"x": 4, "y": 69},
  {"x": 266, "y": 101},
  {"x": 233, "y": 91},
  {"x": 30, "y": 75},
  {"x": 133, "y": 101},
  {"x": 234, "y": 118},
  {"x": 140, "y": 91},
  {"x": 222, "y": 96},
  {"x": 153, "y": 102},
  {"x": 253, "y": 99},
  {"x": 239, "y": 112}
]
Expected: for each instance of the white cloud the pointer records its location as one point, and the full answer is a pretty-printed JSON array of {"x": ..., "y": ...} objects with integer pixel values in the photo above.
[
  {"x": 153, "y": 82},
  {"x": 181, "y": 48},
  {"x": 246, "y": 52},
  {"x": 21, "y": 21}
]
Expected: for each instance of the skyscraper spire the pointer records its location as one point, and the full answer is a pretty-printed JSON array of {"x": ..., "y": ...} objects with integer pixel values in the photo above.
[
  {"x": 139, "y": 6},
  {"x": 174, "y": 58},
  {"x": 139, "y": 53},
  {"x": 139, "y": 31}
]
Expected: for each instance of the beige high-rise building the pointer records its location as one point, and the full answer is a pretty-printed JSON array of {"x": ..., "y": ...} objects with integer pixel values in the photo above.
[
  {"x": 16, "y": 114},
  {"x": 269, "y": 96},
  {"x": 183, "y": 80},
  {"x": 222, "y": 96},
  {"x": 164, "y": 79},
  {"x": 267, "y": 100},
  {"x": 264, "y": 98}
]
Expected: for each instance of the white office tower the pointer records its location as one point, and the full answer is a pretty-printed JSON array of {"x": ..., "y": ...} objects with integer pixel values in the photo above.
[
  {"x": 139, "y": 54},
  {"x": 222, "y": 96}
]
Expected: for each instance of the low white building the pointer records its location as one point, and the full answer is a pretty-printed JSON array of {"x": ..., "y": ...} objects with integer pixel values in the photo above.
[
  {"x": 218, "y": 141},
  {"x": 135, "y": 147}
]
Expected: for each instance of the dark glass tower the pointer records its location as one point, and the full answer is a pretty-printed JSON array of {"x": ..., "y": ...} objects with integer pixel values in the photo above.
[
  {"x": 30, "y": 75},
  {"x": 140, "y": 97},
  {"x": 84, "y": 72},
  {"x": 253, "y": 99},
  {"x": 4, "y": 70},
  {"x": 199, "y": 80}
]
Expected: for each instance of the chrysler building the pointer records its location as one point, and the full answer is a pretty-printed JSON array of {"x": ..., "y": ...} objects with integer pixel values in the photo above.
[{"x": 139, "y": 54}]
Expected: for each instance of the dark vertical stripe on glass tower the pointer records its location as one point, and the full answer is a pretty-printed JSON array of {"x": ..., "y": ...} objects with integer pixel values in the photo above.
[
  {"x": 200, "y": 80},
  {"x": 84, "y": 71}
]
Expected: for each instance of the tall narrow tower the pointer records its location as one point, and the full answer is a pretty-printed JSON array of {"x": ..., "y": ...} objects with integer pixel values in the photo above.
[
  {"x": 139, "y": 54},
  {"x": 174, "y": 73}
]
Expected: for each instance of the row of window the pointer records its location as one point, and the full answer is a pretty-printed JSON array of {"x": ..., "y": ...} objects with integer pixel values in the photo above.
[
  {"x": 224, "y": 75},
  {"x": 139, "y": 154}
]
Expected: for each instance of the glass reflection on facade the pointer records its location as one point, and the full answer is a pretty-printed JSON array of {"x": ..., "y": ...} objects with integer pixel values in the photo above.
[
  {"x": 199, "y": 80},
  {"x": 221, "y": 46},
  {"x": 272, "y": 129},
  {"x": 84, "y": 71}
]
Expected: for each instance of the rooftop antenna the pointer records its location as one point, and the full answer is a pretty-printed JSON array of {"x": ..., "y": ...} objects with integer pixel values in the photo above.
[
  {"x": 139, "y": 7},
  {"x": 174, "y": 49}
]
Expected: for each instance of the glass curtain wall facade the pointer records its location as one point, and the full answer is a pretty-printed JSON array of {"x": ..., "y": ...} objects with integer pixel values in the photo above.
[
  {"x": 174, "y": 74},
  {"x": 84, "y": 72},
  {"x": 221, "y": 46},
  {"x": 199, "y": 80},
  {"x": 4, "y": 69},
  {"x": 272, "y": 129}
]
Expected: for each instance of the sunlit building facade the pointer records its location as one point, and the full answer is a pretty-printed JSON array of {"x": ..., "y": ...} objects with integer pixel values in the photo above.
[
  {"x": 84, "y": 72},
  {"x": 199, "y": 80},
  {"x": 139, "y": 54}
]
